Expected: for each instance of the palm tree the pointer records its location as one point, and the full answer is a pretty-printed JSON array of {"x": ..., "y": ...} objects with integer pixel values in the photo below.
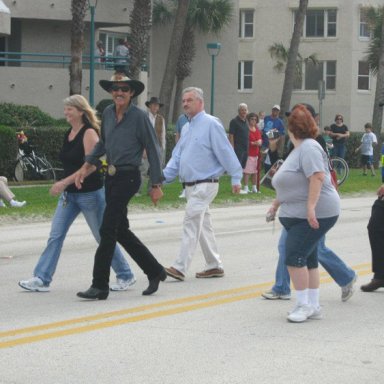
[
  {"x": 375, "y": 57},
  {"x": 293, "y": 51},
  {"x": 173, "y": 55},
  {"x": 280, "y": 53},
  {"x": 184, "y": 67},
  {"x": 207, "y": 16},
  {"x": 140, "y": 25},
  {"x": 78, "y": 10}
]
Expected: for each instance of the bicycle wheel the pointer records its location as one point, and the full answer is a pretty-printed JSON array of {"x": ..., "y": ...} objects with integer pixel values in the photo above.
[
  {"x": 19, "y": 170},
  {"x": 341, "y": 168},
  {"x": 43, "y": 169},
  {"x": 25, "y": 169}
]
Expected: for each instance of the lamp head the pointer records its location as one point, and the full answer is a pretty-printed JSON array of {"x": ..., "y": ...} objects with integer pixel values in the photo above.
[{"x": 213, "y": 48}]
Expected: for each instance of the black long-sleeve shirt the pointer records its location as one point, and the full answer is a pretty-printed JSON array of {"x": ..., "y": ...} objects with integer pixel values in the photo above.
[{"x": 124, "y": 142}]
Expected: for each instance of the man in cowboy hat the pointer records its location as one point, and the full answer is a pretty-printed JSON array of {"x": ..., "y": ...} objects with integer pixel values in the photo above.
[
  {"x": 158, "y": 123},
  {"x": 125, "y": 133}
]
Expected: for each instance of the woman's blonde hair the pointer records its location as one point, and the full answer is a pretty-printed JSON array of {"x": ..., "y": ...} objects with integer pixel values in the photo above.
[{"x": 80, "y": 103}]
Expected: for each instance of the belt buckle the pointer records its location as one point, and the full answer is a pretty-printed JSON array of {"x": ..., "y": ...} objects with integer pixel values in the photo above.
[{"x": 111, "y": 170}]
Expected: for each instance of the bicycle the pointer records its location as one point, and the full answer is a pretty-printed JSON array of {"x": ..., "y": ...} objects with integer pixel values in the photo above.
[
  {"x": 30, "y": 166},
  {"x": 341, "y": 167}
]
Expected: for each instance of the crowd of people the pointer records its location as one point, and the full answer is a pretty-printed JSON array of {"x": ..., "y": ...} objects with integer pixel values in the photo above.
[{"x": 133, "y": 142}]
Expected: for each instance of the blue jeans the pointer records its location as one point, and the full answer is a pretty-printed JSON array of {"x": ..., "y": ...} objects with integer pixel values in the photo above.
[
  {"x": 92, "y": 205},
  {"x": 339, "y": 150},
  {"x": 336, "y": 267}
]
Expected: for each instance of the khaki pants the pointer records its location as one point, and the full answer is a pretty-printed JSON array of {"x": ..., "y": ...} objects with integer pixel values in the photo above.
[
  {"x": 197, "y": 228},
  {"x": 5, "y": 192}
]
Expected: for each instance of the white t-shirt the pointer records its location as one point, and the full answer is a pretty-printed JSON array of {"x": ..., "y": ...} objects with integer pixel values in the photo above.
[{"x": 367, "y": 143}]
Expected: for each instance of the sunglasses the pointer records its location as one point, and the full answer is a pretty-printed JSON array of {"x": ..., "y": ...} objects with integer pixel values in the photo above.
[{"x": 116, "y": 88}]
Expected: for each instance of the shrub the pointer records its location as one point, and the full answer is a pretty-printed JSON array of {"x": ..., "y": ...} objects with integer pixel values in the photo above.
[
  {"x": 22, "y": 116},
  {"x": 8, "y": 151}
]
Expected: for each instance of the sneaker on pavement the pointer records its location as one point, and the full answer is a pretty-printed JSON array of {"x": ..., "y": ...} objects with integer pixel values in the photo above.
[
  {"x": 348, "y": 290},
  {"x": 35, "y": 284},
  {"x": 214, "y": 272},
  {"x": 272, "y": 295},
  {"x": 173, "y": 272},
  {"x": 122, "y": 285},
  {"x": 300, "y": 313},
  {"x": 317, "y": 314}
]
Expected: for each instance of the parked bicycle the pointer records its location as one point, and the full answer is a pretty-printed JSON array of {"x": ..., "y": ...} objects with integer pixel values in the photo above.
[
  {"x": 341, "y": 167},
  {"x": 30, "y": 166}
]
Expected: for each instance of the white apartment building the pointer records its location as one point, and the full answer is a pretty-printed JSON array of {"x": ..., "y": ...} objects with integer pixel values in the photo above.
[{"x": 334, "y": 30}]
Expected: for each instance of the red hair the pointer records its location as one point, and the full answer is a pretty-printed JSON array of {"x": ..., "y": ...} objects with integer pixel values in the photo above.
[{"x": 301, "y": 123}]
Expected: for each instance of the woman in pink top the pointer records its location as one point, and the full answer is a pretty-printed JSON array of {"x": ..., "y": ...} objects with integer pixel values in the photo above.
[{"x": 255, "y": 141}]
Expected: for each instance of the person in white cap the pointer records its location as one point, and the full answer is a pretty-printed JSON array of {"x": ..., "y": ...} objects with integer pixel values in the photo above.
[{"x": 273, "y": 123}]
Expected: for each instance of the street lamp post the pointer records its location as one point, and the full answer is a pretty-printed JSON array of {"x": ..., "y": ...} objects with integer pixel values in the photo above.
[
  {"x": 213, "y": 51},
  {"x": 92, "y": 6}
]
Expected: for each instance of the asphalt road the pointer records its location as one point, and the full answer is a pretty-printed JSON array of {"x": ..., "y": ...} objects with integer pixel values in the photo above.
[{"x": 197, "y": 331}]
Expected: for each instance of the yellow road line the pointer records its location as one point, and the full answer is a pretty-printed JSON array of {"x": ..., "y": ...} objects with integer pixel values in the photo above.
[{"x": 140, "y": 313}]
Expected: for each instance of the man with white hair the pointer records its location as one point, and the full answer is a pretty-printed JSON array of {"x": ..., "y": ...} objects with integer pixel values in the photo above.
[{"x": 200, "y": 157}]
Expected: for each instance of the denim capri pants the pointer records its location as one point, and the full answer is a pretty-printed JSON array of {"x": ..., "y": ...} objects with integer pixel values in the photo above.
[{"x": 301, "y": 244}]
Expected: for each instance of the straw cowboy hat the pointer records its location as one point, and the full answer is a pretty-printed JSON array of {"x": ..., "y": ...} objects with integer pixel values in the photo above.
[
  {"x": 153, "y": 100},
  {"x": 120, "y": 79}
]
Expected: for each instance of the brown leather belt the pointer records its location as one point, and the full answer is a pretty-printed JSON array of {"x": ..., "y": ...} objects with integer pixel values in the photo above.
[{"x": 192, "y": 183}]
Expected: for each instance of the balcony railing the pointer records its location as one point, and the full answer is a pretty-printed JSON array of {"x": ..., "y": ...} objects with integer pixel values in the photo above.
[{"x": 29, "y": 59}]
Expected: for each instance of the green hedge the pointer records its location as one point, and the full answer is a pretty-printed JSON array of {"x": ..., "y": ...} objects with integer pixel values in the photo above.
[
  {"x": 21, "y": 116},
  {"x": 8, "y": 151}
]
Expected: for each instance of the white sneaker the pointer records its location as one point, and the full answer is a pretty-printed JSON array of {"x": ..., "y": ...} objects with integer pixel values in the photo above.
[
  {"x": 244, "y": 191},
  {"x": 272, "y": 295},
  {"x": 17, "y": 204},
  {"x": 300, "y": 313},
  {"x": 34, "y": 284},
  {"x": 182, "y": 195},
  {"x": 122, "y": 285},
  {"x": 254, "y": 190},
  {"x": 348, "y": 290},
  {"x": 2, "y": 204},
  {"x": 317, "y": 314}
]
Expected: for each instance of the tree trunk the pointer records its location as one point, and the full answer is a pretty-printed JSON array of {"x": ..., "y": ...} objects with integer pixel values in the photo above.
[
  {"x": 177, "y": 99},
  {"x": 78, "y": 9},
  {"x": 377, "y": 118},
  {"x": 173, "y": 55},
  {"x": 290, "y": 68},
  {"x": 140, "y": 23},
  {"x": 184, "y": 67}
]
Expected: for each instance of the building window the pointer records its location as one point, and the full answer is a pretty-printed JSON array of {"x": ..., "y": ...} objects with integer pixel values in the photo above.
[
  {"x": 363, "y": 76},
  {"x": 246, "y": 24},
  {"x": 320, "y": 23},
  {"x": 313, "y": 73},
  {"x": 364, "y": 31},
  {"x": 110, "y": 40},
  {"x": 245, "y": 75}
]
